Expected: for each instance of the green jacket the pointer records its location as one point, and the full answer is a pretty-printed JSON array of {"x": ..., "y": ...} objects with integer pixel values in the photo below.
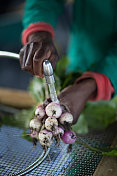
[{"x": 93, "y": 38}]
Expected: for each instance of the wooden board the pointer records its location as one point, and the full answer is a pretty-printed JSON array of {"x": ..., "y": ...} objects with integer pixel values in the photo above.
[
  {"x": 108, "y": 165},
  {"x": 16, "y": 98}
]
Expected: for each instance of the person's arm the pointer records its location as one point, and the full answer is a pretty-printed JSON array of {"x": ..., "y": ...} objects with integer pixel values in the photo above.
[
  {"x": 105, "y": 75},
  {"x": 90, "y": 86},
  {"x": 104, "y": 87},
  {"x": 100, "y": 84}
]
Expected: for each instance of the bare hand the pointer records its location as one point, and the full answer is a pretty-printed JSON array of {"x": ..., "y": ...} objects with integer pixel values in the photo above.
[
  {"x": 74, "y": 97},
  {"x": 39, "y": 48}
]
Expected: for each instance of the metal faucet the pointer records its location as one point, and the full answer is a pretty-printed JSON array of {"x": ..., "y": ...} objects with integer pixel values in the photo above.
[{"x": 48, "y": 73}]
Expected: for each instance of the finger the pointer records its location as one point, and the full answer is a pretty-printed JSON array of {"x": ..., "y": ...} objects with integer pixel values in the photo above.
[
  {"x": 23, "y": 56},
  {"x": 37, "y": 64},
  {"x": 38, "y": 59},
  {"x": 21, "y": 53},
  {"x": 53, "y": 59},
  {"x": 29, "y": 60}
]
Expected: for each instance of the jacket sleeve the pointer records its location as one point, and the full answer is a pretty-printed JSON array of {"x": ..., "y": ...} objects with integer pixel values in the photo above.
[
  {"x": 108, "y": 66},
  {"x": 104, "y": 89},
  {"x": 42, "y": 11}
]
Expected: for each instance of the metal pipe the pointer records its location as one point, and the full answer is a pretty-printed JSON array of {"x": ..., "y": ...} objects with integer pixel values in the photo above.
[{"x": 9, "y": 54}]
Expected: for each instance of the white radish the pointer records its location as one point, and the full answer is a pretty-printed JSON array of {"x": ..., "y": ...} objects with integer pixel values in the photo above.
[
  {"x": 53, "y": 109},
  {"x": 34, "y": 133},
  {"x": 51, "y": 123},
  {"x": 66, "y": 118},
  {"x": 35, "y": 124},
  {"x": 59, "y": 131},
  {"x": 45, "y": 138},
  {"x": 40, "y": 112}
]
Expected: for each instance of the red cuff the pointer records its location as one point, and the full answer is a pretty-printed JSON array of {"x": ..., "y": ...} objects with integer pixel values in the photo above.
[
  {"x": 105, "y": 89},
  {"x": 41, "y": 26}
]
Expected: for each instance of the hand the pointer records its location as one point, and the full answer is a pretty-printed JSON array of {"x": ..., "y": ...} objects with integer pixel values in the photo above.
[
  {"x": 39, "y": 48},
  {"x": 74, "y": 97}
]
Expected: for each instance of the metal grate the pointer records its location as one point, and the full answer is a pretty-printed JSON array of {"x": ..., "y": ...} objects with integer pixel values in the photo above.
[{"x": 16, "y": 153}]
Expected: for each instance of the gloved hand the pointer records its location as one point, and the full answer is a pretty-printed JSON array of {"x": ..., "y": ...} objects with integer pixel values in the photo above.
[
  {"x": 39, "y": 48},
  {"x": 74, "y": 97}
]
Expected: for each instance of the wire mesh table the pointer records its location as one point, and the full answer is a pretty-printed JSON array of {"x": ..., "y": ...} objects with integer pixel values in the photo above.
[{"x": 16, "y": 153}]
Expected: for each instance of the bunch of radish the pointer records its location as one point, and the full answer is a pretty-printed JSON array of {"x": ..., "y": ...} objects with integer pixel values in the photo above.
[{"x": 51, "y": 121}]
